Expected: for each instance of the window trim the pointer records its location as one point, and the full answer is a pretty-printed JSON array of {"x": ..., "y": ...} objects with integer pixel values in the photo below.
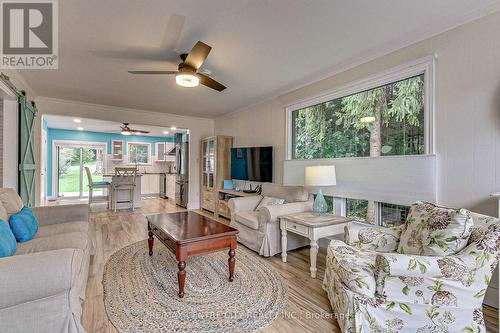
[
  {"x": 420, "y": 66},
  {"x": 148, "y": 144},
  {"x": 340, "y": 208}
]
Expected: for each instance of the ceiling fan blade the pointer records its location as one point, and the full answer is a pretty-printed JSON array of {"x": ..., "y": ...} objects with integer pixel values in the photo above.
[
  {"x": 211, "y": 83},
  {"x": 153, "y": 72},
  {"x": 139, "y": 54},
  {"x": 197, "y": 55},
  {"x": 173, "y": 32},
  {"x": 139, "y": 131}
]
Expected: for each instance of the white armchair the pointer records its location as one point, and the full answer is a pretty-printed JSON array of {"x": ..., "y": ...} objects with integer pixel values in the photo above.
[
  {"x": 372, "y": 288},
  {"x": 259, "y": 229}
]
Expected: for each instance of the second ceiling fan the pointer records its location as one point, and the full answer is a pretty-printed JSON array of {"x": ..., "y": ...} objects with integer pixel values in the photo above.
[
  {"x": 187, "y": 74},
  {"x": 126, "y": 130}
]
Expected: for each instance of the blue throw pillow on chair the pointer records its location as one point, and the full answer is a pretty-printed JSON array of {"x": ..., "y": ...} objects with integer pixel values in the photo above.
[
  {"x": 7, "y": 240},
  {"x": 24, "y": 225}
]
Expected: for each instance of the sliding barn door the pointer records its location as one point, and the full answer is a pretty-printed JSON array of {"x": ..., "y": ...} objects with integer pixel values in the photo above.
[{"x": 27, "y": 166}]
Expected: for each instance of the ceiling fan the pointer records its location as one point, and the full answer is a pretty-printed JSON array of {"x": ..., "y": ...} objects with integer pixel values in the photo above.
[
  {"x": 187, "y": 74},
  {"x": 129, "y": 131}
]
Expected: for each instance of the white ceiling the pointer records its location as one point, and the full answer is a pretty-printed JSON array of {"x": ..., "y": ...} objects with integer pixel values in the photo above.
[
  {"x": 261, "y": 48},
  {"x": 104, "y": 126}
]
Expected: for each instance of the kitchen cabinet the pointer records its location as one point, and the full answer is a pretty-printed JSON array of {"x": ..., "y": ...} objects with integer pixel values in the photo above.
[
  {"x": 165, "y": 151},
  {"x": 117, "y": 150},
  {"x": 171, "y": 186},
  {"x": 150, "y": 184}
]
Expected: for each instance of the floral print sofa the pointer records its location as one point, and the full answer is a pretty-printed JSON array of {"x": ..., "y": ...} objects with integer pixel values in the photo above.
[{"x": 419, "y": 277}]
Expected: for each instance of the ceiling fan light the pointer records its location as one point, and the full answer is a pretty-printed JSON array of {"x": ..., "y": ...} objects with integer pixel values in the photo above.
[
  {"x": 187, "y": 80},
  {"x": 126, "y": 133}
]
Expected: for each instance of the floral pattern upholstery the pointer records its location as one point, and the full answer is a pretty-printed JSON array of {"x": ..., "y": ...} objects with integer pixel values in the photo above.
[
  {"x": 356, "y": 269},
  {"x": 366, "y": 237},
  {"x": 435, "y": 231},
  {"x": 415, "y": 293}
]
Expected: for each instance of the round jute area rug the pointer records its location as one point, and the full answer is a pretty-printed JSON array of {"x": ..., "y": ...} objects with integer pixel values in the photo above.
[{"x": 140, "y": 292}]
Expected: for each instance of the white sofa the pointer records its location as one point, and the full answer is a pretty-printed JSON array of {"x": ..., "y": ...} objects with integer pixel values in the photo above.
[
  {"x": 42, "y": 286},
  {"x": 259, "y": 230},
  {"x": 373, "y": 288}
]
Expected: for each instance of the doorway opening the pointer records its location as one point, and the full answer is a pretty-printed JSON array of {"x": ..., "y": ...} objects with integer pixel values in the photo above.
[{"x": 72, "y": 159}]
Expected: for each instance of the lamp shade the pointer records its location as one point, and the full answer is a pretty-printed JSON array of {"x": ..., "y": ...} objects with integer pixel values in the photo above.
[{"x": 322, "y": 175}]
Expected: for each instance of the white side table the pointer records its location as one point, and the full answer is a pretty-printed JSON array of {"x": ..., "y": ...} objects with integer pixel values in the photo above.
[{"x": 313, "y": 227}]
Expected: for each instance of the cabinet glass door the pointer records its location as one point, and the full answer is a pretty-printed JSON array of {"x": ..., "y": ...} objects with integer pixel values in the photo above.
[
  {"x": 160, "y": 152},
  {"x": 208, "y": 163},
  {"x": 117, "y": 149}
]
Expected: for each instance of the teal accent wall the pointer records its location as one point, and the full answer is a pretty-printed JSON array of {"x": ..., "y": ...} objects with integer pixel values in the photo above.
[
  {"x": 88, "y": 136},
  {"x": 44, "y": 124}
]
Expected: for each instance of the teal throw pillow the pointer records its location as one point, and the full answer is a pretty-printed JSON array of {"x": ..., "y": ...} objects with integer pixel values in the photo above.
[
  {"x": 7, "y": 240},
  {"x": 24, "y": 225}
]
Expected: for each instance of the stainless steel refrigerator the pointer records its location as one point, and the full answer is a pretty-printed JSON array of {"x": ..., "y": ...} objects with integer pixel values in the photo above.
[{"x": 182, "y": 169}]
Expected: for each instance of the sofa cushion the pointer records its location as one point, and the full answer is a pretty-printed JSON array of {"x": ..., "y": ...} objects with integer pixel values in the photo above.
[
  {"x": 74, "y": 240},
  {"x": 269, "y": 201},
  {"x": 289, "y": 193},
  {"x": 62, "y": 228},
  {"x": 11, "y": 200},
  {"x": 435, "y": 231},
  {"x": 356, "y": 269},
  {"x": 250, "y": 219},
  {"x": 7, "y": 240},
  {"x": 4, "y": 216},
  {"x": 24, "y": 225}
]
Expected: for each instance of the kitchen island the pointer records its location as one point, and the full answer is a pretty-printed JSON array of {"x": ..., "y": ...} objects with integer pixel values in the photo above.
[
  {"x": 123, "y": 196},
  {"x": 147, "y": 185}
]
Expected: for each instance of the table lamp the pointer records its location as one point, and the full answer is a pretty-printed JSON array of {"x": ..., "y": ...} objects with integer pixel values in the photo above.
[{"x": 319, "y": 176}]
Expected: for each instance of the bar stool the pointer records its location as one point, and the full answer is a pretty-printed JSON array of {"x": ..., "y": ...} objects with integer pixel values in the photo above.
[
  {"x": 96, "y": 185},
  {"x": 123, "y": 180}
]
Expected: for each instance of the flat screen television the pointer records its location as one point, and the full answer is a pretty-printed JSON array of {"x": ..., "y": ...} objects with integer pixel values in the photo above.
[{"x": 252, "y": 163}]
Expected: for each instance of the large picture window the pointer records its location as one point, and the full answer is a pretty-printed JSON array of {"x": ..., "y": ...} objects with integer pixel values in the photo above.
[{"x": 382, "y": 121}]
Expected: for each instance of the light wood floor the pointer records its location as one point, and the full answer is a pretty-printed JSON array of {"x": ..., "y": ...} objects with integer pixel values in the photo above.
[{"x": 306, "y": 296}]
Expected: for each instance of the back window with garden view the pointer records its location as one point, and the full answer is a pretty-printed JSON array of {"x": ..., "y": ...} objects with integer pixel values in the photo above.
[{"x": 386, "y": 120}]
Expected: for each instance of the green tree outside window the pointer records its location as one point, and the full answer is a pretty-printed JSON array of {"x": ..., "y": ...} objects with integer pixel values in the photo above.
[{"x": 384, "y": 121}]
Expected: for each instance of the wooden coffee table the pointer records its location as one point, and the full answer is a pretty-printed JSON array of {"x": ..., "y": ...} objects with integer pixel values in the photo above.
[{"x": 189, "y": 234}]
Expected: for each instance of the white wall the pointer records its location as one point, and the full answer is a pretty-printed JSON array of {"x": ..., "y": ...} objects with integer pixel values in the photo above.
[
  {"x": 467, "y": 113},
  {"x": 198, "y": 128},
  {"x": 399, "y": 180},
  {"x": 10, "y": 141}
]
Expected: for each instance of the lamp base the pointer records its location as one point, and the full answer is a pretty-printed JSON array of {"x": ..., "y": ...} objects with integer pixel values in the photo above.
[{"x": 320, "y": 207}]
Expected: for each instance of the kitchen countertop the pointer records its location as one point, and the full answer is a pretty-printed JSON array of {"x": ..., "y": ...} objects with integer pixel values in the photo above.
[
  {"x": 156, "y": 173},
  {"x": 144, "y": 173}
]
